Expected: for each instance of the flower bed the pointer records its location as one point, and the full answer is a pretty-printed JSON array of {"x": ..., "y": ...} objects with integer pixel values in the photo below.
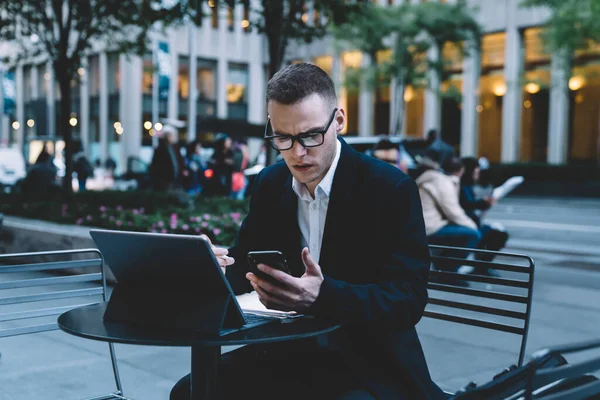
[{"x": 219, "y": 218}]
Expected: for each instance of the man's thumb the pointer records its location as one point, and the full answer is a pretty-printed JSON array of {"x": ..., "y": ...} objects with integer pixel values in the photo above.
[{"x": 311, "y": 266}]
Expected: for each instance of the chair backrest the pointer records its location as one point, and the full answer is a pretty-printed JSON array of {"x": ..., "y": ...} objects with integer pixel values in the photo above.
[
  {"x": 504, "y": 302},
  {"x": 35, "y": 288},
  {"x": 571, "y": 381}
]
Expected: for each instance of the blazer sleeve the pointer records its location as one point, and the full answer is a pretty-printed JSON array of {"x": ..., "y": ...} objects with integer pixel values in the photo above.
[
  {"x": 236, "y": 273},
  {"x": 401, "y": 297}
]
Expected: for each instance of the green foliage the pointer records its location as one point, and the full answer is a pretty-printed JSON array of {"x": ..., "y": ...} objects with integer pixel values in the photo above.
[
  {"x": 219, "y": 218},
  {"x": 573, "y": 24}
]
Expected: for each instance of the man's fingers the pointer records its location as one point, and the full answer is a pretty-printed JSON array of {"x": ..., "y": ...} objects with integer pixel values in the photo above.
[
  {"x": 204, "y": 237},
  {"x": 279, "y": 275},
  {"x": 268, "y": 300},
  {"x": 224, "y": 261},
  {"x": 219, "y": 251}
]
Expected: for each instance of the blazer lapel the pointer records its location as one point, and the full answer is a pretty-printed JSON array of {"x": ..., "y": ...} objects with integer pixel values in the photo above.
[
  {"x": 338, "y": 214},
  {"x": 290, "y": 228}
]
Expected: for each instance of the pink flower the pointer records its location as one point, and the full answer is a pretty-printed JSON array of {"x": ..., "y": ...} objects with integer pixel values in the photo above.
[
  {"x": 197, "y": 230},
  {"x": 119, "y": 223},
  {"x": 163, "y": 231},
  {"x": 173, "y": 226},
  {"x": 89, "y": 217},
  {"x": 79, "y": 221},
  {"x": 217, "y": 231},
  {"x": 206, "y": 217},
  {"x": 119, "y": 208},
  {"x": 142, "y": 210},
  {"x": 205, "y": 224},
  {"x": 235, "y": 215},
  {"x": 185, "y": 227},
  {"x": 160, "y": 224},
  {"x": 135, "y": 212},
  {"x": 102, "y": 209},
  {"x": 153, "y": 230}
]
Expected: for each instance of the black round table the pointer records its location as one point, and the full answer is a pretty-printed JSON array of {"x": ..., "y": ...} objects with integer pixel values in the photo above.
[{"x": 88, "y": 322}]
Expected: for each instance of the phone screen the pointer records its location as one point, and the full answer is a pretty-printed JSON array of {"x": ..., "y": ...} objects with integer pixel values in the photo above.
[{"x": 272, "y": 258}]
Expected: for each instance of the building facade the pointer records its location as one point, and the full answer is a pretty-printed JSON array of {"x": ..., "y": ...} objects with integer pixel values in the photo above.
[{"x": 511, "y": 102}]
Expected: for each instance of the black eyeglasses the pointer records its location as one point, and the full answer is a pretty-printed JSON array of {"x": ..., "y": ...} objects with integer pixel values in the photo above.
[{"x": 311, "y": 138}]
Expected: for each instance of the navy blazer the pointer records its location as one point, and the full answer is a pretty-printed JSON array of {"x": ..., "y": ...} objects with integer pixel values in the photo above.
[{"x": 374, "y": 258}]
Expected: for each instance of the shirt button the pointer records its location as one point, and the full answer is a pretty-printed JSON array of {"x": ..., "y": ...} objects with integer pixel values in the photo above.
[{"x": 313, "y": 206}]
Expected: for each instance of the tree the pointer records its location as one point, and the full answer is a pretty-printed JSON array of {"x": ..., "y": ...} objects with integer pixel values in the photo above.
[
  {"x": 61, "y": 31},
  {"x": 409, "y": 31},
  {"x": 573, "y": 24},
  {"x": 282, "y": 21}
]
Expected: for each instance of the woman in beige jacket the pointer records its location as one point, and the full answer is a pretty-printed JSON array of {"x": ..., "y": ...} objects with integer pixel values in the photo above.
[{"x": 446, "y": 223}]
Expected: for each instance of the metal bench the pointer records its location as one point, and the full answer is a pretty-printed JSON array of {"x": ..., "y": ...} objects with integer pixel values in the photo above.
[
  {"x": 500, "y": 304},
  {"x": 35, "y": 288}
]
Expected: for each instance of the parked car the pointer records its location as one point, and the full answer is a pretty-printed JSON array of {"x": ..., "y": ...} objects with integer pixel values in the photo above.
[
  {"x": 12, "y": 168},
  {"x": 407, "y": 148}
]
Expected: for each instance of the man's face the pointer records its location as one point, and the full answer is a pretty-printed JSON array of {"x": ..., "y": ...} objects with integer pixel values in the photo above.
[{"x": 307, "y": 165}]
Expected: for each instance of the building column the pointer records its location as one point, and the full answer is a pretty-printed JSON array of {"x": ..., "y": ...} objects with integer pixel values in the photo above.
[
  {"x": 20, "y": 111},
  {"x": 173, "y": 106},
  {"x": 103, "y": 106},
  {"x": 511, "y": 104},
  {"x": 222, "y": 65},
  {"x": 84, "y": 118},
  {"x": 366, "y": 100},
  {"x": 238, "y": 16},
  {"x": 193, "y": 87},
  {"x": 469, "y": 131},
  {"x": 3, "y": 118},
  {"x": 432, "y": 115},
  {"x": 256, "y": 84},
  {"x": 130, "y": 108},
  {"x": 50, "y": 100},
  {"x": 558, "y": 124}
]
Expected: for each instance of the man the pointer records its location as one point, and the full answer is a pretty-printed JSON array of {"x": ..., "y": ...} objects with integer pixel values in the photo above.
[
  {"x": 436, "y": 144},
  {"x": 351, "y": 228}
]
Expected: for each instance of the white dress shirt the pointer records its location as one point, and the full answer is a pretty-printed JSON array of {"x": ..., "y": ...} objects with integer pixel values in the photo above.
[{"x": 313, "y": 212}]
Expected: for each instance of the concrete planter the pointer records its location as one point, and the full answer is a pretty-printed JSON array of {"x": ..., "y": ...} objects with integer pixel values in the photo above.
[{"x": 22, "y": 235}]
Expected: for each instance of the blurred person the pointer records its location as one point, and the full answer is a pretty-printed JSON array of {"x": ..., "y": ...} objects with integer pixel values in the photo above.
[
  {"x": 435, "y": 143},
  {"x": 446, "y": 223},
  {"x": 386, "y": 151},
  {"x": 83, "y": 168},
  {"x": 240, "y": 163},
  {"x": 222, "y": 164},
  {"x": 494, "y": 236},
  {"x": 352, "y": 231},
  {"x": 44, "y": 155},
  {"x": 166, "y": 165},
  {"x": 196, "y": 167},
  {"x": 111, "y": 166}
]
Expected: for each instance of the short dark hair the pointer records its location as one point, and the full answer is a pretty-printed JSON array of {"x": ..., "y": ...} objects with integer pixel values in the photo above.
[
  {"x": 292, "y": 84},
  {"x": 452, "y": 165}
]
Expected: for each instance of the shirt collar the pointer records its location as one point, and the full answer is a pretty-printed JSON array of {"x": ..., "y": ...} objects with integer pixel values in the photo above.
[{"x": 324, "y": 187}]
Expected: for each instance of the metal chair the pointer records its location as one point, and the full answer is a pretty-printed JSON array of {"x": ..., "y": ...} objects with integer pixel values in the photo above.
[
  {"x": 504, "y": 302},
  {"x": 571, "y": 381},
  {"x": 73, "y": 277}
]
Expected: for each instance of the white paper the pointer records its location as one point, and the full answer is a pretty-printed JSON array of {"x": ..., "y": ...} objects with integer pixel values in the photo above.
[
  {"x": 250, "y": 303},
  {"x": 507, "y": 187}
]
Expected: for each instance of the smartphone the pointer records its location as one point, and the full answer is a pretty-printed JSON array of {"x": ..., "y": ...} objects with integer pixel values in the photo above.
[{"x": 272, "y": 258}]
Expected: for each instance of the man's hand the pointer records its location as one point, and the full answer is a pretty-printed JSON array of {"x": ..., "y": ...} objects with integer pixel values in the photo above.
[
  {"x": 220, "y": 254},
  {"x": 289, "y": 293},
  {"x": 490, "y": 200}
]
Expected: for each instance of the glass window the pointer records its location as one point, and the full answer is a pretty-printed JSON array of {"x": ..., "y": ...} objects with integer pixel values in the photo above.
[
  {"x": 536, "y": 99},
  {"x": 349, "y": 97},
  {"x": 492, "y": 88},
  {"x": 94, "y": 75},
  {"x": 27, "y": 87},
  {"x": 147, "y": 73},
  {"x": 183, "y": 81},
  {"x": 206, "y": 79},
  {"x": 42, "y": 81},
  {"x": 114, "y": 72},
  {"x": 584, "y": 133},
  {"x": 325, "y": 63},
  {"x": 237, "y": 83}
]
